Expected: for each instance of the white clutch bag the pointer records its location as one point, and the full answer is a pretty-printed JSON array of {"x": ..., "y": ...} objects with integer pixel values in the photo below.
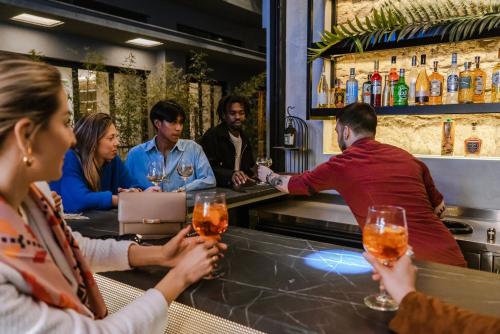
[{"x": 152, "y": 215}]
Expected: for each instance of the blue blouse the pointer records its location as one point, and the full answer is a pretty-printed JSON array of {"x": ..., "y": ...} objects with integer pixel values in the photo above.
[{"x": 75, "y": 192}]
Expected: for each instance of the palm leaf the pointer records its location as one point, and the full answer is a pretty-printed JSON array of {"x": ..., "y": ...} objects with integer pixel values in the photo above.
[{"x": 455, "y": 19}]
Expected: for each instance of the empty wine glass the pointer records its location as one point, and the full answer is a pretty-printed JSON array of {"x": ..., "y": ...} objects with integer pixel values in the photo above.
[
  {"x": 385, "y": 236},
  {"x": 264, "y": 161},
  {"x": 157, "y": 172},
  {"x": 185, "y": 170}
]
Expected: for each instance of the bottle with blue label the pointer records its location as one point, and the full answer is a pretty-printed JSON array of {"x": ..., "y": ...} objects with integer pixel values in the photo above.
[
  {"x": 452, "y": 81},
  {"x": 465, "y": 91},
  {"x": 352, "y": 88}
]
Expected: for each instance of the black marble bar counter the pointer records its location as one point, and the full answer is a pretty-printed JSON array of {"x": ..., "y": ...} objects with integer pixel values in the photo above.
[
  {"x": 279, "y": 284},
  {"x": 105, "y": 223}
]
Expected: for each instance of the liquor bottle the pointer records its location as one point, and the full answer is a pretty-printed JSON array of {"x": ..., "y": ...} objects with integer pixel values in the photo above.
[
  {"x": 495, "y": 82},
  {"x": 472, "y": 145},
  {"x": 478, "y": 82},
  {"x": 352, "y": 88},
  {"x": 290, "y": 134},
  {"x": 452, "y": 81},
  {"x": 422, "y": 84},
  {"x": 386, "y": 92},
  {"x": 465, "y": 85},
  {"x": 437, "y": 81},
  {"x": 376, "y": 96},
  {"x": 339, "y": 94},
  {"x": 322, "y": 90},
  {"x": 367, "y": 90},
  {"x": 448, "y": 137},
  {"x": 412, "y": 81},
  {"x": 393, "y": 78},
  {"x": 401, "y": 90}
]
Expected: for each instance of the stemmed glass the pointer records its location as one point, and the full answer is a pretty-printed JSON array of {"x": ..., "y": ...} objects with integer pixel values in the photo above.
[
  {"x": 210, "y": 220},
  {"x": 264, "y": 161},
  {"x": 157, "y": 172},
  {"x": 185, "y": 170},
  {"x": 385, "y": 236}
]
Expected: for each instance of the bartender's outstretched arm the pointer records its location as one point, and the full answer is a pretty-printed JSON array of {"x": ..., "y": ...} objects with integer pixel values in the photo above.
[{"x": 280, "y": 182}]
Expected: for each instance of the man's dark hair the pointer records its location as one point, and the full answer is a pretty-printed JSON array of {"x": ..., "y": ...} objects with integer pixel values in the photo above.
[
  {"x": 225, "y": 104},
  {"x": 360, "y": 117},
  {"x": 166, "y": 110}
]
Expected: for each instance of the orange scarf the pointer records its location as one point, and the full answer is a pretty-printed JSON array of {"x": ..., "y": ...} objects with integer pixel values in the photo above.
[{"x": 20, "y": 249}]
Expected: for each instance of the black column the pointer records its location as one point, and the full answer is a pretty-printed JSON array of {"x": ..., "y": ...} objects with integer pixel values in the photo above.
[{"x": 277, "y": 77}]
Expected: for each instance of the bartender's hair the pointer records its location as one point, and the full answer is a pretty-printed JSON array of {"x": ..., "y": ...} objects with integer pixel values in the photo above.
[
  {"x": 225, "y": 104},
  {"x": 166, "y": 110},
  {"x": 360, "y": 117}
]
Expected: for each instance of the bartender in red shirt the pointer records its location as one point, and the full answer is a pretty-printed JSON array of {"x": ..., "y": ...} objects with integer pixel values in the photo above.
[{"x": 371, "y": 173}]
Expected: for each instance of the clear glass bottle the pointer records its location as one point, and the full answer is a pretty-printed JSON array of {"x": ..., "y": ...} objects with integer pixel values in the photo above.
[
  {"x": 412, "y": 81},
  {"x": 478, "y": 82},
  {"x": 472, "y": 145},
  {"x": 495, "y": 82},
  {"x": 386, "y": 92},
  {"x": 465, "y": 85},
  {"x": 323, "y": 90},
  {"x": 393, "y": 79},
  {"x": 376, "y": 96},
  {"x": 352, "y": 88},
  {"x": 422, "y": 84},
  {"x": 366, "y": 90},
  {"x": 401, "y": 90},
  {"x": 452, "y": 81},
  {"x": 436, "y": 81}
]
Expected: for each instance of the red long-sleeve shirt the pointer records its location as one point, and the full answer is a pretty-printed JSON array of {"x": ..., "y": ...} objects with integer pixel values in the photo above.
[{"x": 372, "y": 173}]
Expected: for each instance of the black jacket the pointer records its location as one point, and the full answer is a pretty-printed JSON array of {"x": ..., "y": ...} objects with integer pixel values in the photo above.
[{"x": 220, "y": 152}]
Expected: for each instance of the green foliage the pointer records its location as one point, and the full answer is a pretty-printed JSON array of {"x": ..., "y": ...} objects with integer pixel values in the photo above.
[
  {"x": 35, "y": 55},
  {"x": 405, "y": 19},
  {"x": 131, "y": 103},
  {"x": 93, "y": 63}
]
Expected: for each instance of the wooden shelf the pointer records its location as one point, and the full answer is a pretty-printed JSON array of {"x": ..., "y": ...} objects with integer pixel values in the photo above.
[
  {"x": 442, "y": 109},
  {"x": 343, "y": 48},
  {"x": 289, "y": 148}
]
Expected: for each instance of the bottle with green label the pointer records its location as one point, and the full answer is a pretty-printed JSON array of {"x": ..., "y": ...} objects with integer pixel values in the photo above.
[{"x": 401, "y": 90}]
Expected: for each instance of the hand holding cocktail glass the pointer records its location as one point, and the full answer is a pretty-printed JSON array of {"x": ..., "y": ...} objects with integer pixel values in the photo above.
[
  {"x": 385, "y": 237},
  {"x": 210, "y": 220}
]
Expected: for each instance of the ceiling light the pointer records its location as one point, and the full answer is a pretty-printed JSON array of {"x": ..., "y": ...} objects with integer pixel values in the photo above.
[
  {"x": 37, "y": 20},
  {"x": 143, "y": 42}
]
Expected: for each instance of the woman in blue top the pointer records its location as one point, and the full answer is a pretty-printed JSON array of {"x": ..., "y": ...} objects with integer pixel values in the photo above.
[{"x": 93, "y": 174}]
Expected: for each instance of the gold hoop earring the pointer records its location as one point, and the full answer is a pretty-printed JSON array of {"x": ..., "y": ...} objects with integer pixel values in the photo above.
[{"x": 28, "y": 159}]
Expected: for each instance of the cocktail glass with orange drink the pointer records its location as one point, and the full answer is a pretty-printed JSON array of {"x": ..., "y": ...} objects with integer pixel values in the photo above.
[
  {"x": 385, "y": 236},
  {"x": 210, "y": 220}
]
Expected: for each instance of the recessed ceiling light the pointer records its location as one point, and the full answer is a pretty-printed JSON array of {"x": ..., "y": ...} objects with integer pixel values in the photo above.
[
  {"x": 143, "y": 42},
  {"x": 37, "y": 20}
]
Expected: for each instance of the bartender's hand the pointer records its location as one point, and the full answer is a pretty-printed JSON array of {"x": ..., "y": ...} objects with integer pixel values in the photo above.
[
  {"x": 239, "y": 178},
  {"x": 398, "y": 280},
  {"x": 263, "y": 172},
  {"x": 439, "y": 210}
]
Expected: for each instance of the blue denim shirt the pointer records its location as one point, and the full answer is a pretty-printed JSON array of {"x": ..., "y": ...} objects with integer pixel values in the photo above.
[{"x": 139, "y": 156}]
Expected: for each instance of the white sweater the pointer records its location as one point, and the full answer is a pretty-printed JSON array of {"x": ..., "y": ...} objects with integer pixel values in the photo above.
[{"x": 20, "y": 313}]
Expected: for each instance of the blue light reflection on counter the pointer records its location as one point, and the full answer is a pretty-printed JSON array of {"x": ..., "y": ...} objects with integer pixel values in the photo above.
[{"x": 339, "y": 261}]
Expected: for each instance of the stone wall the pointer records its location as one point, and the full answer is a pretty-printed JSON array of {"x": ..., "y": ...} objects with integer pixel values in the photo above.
[{"x": 420, "y": 134}]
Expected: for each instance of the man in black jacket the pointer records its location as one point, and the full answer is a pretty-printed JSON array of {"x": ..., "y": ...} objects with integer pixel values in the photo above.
[{"x": 226, "y": 146}]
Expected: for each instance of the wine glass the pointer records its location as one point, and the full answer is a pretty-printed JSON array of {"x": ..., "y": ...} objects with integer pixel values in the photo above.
[
  {"x": 264, "y": 161},
  {"x": 210, "y": 220},
  {"x": 185, "y": 170},
  {"x": 385, "y": 236},
  {"x": 157, "y": 172}
]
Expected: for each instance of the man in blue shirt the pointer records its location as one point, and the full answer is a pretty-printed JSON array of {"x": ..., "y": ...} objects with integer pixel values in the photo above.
[{"x": 168, "y": 119}]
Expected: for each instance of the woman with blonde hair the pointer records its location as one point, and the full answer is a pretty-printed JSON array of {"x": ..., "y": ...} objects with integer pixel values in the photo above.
[
  {"x": 93, "y": 173},
  {"x": 46, "y": 285}
]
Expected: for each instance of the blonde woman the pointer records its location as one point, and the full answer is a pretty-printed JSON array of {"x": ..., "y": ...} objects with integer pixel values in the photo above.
[
  {"x": 46, "y": 285},
  {"x": 93, "y": 173}
]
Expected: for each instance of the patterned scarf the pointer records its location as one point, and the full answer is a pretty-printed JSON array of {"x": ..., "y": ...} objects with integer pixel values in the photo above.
[{"x": 20, "y": 249}]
